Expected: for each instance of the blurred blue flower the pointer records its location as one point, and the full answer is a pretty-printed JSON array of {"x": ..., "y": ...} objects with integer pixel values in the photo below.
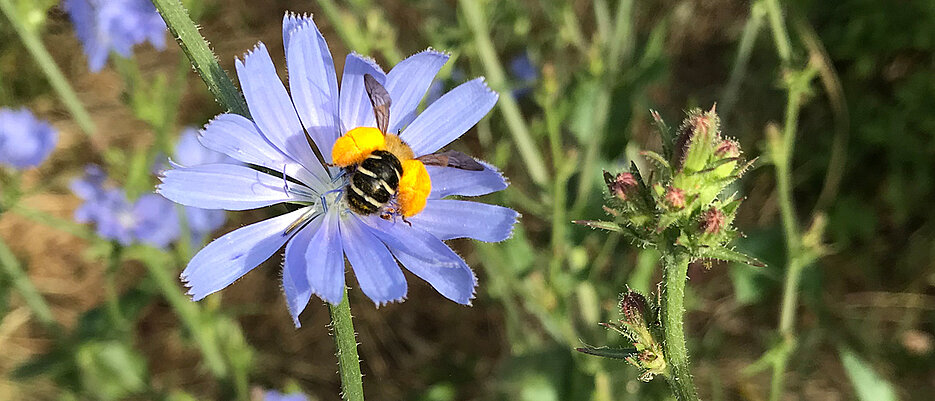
[
  {"x": 321, "y": 230},
  {"x": 25, "y": 141},
  {"x": 273, "y": 395},
  {"x": 151, "y": 219},
  {"x": 103, "y": 26},
  {"x": 525, "y": 73}
]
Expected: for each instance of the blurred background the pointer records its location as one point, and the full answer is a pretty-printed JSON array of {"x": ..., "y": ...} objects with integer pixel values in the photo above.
[{"x": 577, "y": 81}]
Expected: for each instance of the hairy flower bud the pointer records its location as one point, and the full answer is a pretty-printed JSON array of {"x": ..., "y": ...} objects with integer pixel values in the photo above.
[
  {"x": 623, "y": 185},
  {"x": 675, "y": 198},
  {"x": 727, "y": 148},
  {"x": 712, "y": 221},
  {"x": 633, "y": 306}
]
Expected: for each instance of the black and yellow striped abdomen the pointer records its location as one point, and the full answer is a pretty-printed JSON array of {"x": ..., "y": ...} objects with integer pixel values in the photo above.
[{"x": 373, "y": 182}]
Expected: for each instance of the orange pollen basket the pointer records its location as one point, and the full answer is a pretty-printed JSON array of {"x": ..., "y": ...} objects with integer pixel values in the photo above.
[{"x": 414, "y": 188}]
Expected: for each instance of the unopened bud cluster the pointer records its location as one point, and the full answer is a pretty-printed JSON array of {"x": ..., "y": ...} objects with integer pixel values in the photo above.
[
  {"x": 640, "y": 326},
  {"x": 677, "y": 199}
]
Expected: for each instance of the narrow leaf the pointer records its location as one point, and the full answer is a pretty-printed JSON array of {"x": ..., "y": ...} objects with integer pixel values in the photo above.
[
  {"x": 613, "y": 353},
  {"x": 730, "y": 255}
]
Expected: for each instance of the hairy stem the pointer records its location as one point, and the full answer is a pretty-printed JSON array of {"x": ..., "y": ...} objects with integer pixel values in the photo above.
[
  {"x": 676, "y": 353},
  {"x": 199, "y": 53},
  {"x": 56, "y": 79},
  {"x": 345, "y": 340},
  {"x": 528, "y": 152}
]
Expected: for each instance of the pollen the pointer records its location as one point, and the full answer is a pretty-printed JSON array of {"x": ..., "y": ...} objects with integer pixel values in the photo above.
[
  {"x": 414, "y": 188},
  {"x": 356, "y": 145}
]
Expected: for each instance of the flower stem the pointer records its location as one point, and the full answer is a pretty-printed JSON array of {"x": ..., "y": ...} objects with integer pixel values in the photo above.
[
  {"x": 42, "y": 57},
  {"x": 782, "y": 156},
  {"x": 528, "y": 151},
  {"x": 199, "y": 53},
  {"x": 345, "y": 340},
  {"x": 11, "y": 268},
  {"x": 676, "y": 353},
  {"x": 188, "y": 314}
]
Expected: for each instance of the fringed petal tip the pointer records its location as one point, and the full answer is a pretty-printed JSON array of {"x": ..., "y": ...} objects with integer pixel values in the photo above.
[
  {"x": 380, "y": 304},
  {"x": 239, "y": 62},
  {"x": 370, "y": 61}
]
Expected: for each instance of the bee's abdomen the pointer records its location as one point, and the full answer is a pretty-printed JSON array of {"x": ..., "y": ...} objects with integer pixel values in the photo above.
[{"x": 374, "y": 182}]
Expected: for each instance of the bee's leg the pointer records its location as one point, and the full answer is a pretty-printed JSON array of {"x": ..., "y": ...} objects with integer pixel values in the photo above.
[
  {"x": 386, "y": 216},
  {"x": 406, "y": 221}
]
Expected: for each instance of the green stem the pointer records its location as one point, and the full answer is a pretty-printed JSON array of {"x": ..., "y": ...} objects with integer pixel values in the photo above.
[
  {"x": 188, "y": 313},
  {"x": 11, "y": 268},
  {"x": 780, "y": 35},
  {"x": 747, "y": 39},
  {"x": 352, "y": 387},
  {"x": 794, "y": 263},
  {"x": 38, "y": 51},
  {"x": 121, "y": 325},
  {"x": 528, "y": 151},
  {"x": 199, "y": 53},
  {"x": 676, "y": 353}
]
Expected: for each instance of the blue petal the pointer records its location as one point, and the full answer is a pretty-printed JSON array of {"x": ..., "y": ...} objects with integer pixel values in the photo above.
[
  {"x": 356, "y": 110},
  {"x": 453, "y": 181},
  {"x": 222, "y": 186},
  {"x": 325, "y": 260},
  {"x": 449, "y": 117},
  {"x": 229, "y": 257},
  {"x": 428, "y": 257},
  {"x": 379, "y": 276},
  {"x": 272, "y": 109},
  {"x": 314, "y": 84},
  {"x": 239, "y": 138},
  {"x": 407, "y": 83},
  {"x": 448, "y": 219},
  {"x": 294, "y": 279}
]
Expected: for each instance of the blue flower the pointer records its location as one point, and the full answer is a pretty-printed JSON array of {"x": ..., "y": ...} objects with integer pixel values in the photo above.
[
  {"x": 25, "y": 141},
  {"x": 103, "y": 26},
  {"x": 150, "y": 220},
  {"x": 273, "y": 395},
  {"x": 321, "y": 230}
]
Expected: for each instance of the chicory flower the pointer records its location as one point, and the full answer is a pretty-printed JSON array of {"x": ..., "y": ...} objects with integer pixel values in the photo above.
[
  {"x": 104, "y": 26},
  {"x": 25, "y": 141},
  {"x": 322, "y": 231}
]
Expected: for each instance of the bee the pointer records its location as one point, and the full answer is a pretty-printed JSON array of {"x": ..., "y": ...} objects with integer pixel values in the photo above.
[{"x": 384, "y": 175}]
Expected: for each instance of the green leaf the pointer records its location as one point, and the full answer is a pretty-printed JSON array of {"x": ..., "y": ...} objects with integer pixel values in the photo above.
[
  {"x": 868, "y": 385},
  {"x": 730, "y": 255},
  {"x": 613, "y": 353}
]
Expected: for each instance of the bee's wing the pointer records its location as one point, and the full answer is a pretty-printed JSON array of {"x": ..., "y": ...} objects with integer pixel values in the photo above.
[
  {"x": 380, "y": 99},
  {"x": 451, "y": 158}
]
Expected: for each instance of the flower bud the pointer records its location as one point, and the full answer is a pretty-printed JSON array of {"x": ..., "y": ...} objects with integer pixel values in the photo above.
[
  {"x": 712, "y": 221},
  {"x": 675, "y": 198},
  {"x": 633, "y": 306},
  {"x": 623, "y": 185},
  {"x": 727, "y": 148}
]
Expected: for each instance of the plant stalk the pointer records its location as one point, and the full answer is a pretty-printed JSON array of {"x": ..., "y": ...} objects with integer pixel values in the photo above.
[
  {"x": 528, "y": 152},
  {"x": 352, "y": 387},
  {"x": 57, "y": 80},
  {"x": 794, "y": 264},
  {"x": 199, "y": 53},
  {"x": 13, "y": 270},
  {"x": 676, "y": 353}
]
